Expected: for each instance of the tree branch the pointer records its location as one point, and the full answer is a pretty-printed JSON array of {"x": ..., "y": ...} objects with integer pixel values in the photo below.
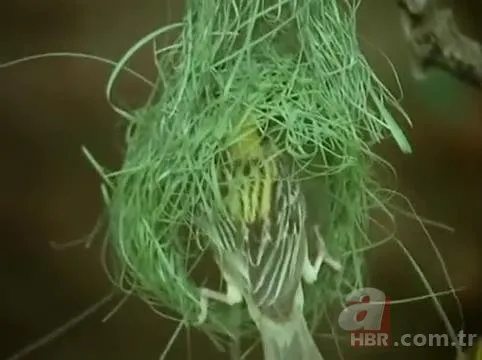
[{"x": 436, "y": 40}]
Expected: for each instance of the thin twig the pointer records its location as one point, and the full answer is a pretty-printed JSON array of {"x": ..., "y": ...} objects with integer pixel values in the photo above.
[
  {"x": 235, "y": 349},
  {"x": 436, "y": 40},
  {"x": 235, "y": 345},
  {"x": 62, "y": 329}
]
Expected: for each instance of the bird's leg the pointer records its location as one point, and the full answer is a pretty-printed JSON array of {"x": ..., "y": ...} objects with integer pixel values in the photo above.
[
  {"x": 310, "y": 271},
  {"x": 323, "y": 256},
  {"x": 232, "y": 296}
]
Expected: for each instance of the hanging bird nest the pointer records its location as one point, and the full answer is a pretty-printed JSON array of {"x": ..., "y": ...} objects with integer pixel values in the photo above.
[{"x": 297, "y": 67}]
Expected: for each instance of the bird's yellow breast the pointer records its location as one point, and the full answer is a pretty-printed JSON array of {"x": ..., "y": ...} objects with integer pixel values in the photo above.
[
  {"x": 248, "y": 143},
  {"x": 251, "y": 188}
]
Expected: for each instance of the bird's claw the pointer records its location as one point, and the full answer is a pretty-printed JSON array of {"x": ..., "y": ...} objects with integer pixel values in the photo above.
[
  {"x": 232, "y": 296},
  {"x": 310, "y": 271}
]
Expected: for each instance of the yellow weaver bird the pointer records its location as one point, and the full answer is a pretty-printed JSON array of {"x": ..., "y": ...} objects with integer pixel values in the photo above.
[{"x": 261, "y": 246}]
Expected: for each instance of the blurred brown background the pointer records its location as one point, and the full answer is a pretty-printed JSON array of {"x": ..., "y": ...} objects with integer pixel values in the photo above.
[{"x": 48, "y": 192}]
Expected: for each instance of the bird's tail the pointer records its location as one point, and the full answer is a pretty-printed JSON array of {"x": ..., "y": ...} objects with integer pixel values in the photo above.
[{"x": 288, "y": 340}]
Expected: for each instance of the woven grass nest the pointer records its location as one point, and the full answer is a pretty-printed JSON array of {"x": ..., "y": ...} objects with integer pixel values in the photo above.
[{"x": 297, "y": 68}]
